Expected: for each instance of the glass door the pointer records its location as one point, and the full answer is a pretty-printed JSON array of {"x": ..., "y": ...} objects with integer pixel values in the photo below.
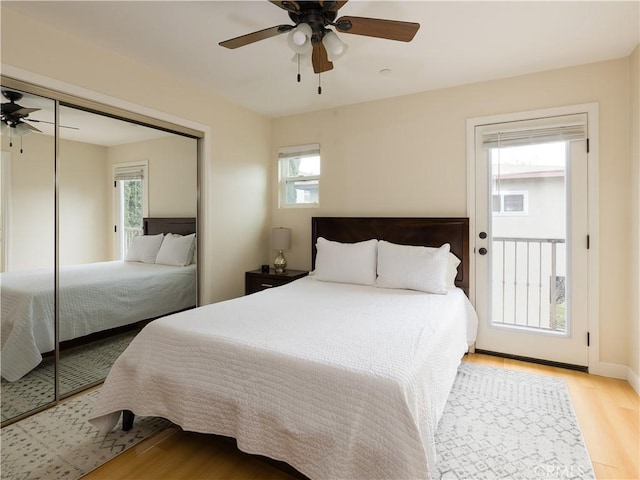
[{"x": 531, "y": 255}]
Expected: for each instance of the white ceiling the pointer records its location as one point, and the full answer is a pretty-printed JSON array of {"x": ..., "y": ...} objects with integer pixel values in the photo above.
[{"x": 458, "y": 43}]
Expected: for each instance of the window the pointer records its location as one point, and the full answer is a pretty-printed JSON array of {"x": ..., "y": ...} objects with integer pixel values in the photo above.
[
  {"x": 299, "y": 175},
  {"x": 130, "y": 182},
  {"x": 510, "y": 203}
]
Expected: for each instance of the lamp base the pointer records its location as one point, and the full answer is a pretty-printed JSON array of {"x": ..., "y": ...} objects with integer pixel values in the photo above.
[{"x": 280, "y": 263}]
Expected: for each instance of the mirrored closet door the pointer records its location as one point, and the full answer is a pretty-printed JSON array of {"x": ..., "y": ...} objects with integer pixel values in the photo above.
[
  {"x": 76, "y": 286},
  {"x": 27, "y": 242}
]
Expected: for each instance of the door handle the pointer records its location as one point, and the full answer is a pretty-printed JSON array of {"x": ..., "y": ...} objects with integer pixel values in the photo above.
[{"x": 482, "y": 251}]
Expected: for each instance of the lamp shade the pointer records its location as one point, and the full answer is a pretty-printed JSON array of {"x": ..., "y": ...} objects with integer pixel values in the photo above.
[
  {"x": 335, "y": 47},
  {"x": 281, "y": 238},
  {"x": 299, "y": 39}
]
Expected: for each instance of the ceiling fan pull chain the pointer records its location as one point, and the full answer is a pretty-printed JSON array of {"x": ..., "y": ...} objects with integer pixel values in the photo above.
[
  {"x": 10, "y": 137},
  {"x": 20, "y": 144},
  {"x": 319, "y": 86},
  {"x": 298, "y": 55}
]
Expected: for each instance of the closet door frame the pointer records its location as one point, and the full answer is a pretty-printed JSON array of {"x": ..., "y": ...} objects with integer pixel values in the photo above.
[{"x": 70, "y": 95}]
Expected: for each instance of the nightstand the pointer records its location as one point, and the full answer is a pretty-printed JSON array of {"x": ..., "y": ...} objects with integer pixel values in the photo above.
[{"x": 256, "y": 281}]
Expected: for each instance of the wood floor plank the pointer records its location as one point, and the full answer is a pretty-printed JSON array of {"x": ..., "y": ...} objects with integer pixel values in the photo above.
[{"x": 608, "y": 411}]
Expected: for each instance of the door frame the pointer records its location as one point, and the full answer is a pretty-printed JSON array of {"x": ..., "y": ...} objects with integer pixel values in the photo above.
[{"x": 592, "y": 111}]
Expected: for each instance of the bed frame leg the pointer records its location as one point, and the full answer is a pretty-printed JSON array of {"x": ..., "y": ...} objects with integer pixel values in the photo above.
[{"x": 127, "y": 420}]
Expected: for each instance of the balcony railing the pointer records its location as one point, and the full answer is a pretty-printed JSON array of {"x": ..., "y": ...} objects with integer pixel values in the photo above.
[
  {"x": 129, "y": 233},
  {"x": 529, "y": 283}
]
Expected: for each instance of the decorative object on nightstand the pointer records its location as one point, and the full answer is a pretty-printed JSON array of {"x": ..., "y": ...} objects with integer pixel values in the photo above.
[
  {"x": 257, "y": 280},
  {"x": 280, "y": 240}
]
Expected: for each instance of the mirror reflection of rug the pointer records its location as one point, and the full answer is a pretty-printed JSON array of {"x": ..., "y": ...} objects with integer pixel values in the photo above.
[
  {"x": 60, "y": 443},
  {"x": 79, "y": 367}
]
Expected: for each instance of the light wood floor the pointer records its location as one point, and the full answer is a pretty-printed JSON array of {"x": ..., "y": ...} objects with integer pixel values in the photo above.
[{"x": 607, "y": 410}]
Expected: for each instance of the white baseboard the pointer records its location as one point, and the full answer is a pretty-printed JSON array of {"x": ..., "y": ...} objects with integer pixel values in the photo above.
[
  {"x": 613, "y": 370},
  {"x": 633, "y": 379}
]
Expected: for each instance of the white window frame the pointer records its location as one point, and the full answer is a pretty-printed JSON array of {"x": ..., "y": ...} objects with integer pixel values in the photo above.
[
  {"x": 284, "y": 154},
  {"x": 118, "y": 208},
  {"x": 525, "y": 203}
]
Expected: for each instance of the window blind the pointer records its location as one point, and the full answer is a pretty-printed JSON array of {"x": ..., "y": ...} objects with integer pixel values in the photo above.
[
  {"x": 128, "y": 173},
  {"x": 301, "y": 151},
  {"x": 534, "y": 132}
]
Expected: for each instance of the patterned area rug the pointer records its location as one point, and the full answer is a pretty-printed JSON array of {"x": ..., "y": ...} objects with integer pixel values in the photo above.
[
  {"x": 79, "y": 366},
  {"x": 497, "y": 424},
  {"x": 59, "y": 443},
  {"x": 505, "y": 424}
]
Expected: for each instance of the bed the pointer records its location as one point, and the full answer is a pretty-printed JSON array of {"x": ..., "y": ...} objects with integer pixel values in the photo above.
[
  {"x": 338, "y": 380},
  {"x": 94, "y": 298}
]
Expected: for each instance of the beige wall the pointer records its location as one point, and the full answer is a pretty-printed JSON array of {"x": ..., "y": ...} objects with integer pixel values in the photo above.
[
  {"x": 407, "y": 156},
  {"x": 84, "y": 222},
  {"x": 32, "y": 210},
  {"x": 83, "y": 202},
  {"x": 232, "y": 225},
  {"x": 634, "y": 256},
  {"x": 173, "y": 176}
]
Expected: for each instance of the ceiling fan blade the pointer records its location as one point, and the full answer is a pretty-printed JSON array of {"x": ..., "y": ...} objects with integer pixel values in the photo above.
[
  {"x": 332, "y": 5},
  {"x": 319, "y": 59},
  {"x": 288, "y": 5},
  {"x": 25, "y": 111},
  {"x": 375, "y": 27},
  {"x": 50, "y": 123},
  {"x": 31, "y": 127},
  {"x": 256, "y": 36}
]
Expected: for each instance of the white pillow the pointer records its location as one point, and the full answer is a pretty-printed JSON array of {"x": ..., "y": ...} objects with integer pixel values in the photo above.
[
  {"x": 414, "y": 268},
  {"x": 346, "y": 262},
  {"x": 144, "y": 248},
  {"x": 452, "y": 268},
  {"x": 176, "y": 250}
]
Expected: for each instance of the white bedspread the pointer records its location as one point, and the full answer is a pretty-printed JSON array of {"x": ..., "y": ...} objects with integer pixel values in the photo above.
[
  {"x": 339, "y": 381},
  {"x": 93, "y": 297}
]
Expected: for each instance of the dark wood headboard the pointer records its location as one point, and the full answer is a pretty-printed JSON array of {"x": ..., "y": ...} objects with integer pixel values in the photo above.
[
  {"x": 429, "y": 232},
  {"x": 181, "y": 226}
]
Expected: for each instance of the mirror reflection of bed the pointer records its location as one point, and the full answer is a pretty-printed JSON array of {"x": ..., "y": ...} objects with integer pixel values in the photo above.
[
  {"x": 103, "y": 300},
  {"x": 103, "y": 305}
]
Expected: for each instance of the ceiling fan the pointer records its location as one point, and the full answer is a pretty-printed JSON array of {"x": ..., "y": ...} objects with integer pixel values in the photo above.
[
  {"x": 14, "y": 116},
  {"x": 311, "y": 32}
]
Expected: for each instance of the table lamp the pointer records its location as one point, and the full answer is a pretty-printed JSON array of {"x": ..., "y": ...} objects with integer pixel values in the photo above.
[{"x": 280, "y": 240}]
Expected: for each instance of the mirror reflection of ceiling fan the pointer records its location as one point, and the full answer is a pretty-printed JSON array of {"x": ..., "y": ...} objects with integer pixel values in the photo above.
[
  {"x": 311, "y": 32},
  {"x": 15, "y": 118}
]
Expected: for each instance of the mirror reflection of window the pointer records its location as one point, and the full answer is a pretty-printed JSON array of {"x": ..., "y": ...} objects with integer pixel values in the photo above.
[{"x": 131, "y": 203}]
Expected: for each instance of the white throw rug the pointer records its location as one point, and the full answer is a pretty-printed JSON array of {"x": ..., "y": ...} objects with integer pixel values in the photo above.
[
  {"x": 59, "y": 443},
  {"x": 506, "y": 424},
  {"x": 497, "y": 424}
]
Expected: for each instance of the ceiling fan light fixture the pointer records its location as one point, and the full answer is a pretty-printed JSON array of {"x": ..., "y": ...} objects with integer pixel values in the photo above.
[
  {"x": 299, "y": 39},
  {"x": 336, "y": 48},
  {"x": 20, "y": 130}
]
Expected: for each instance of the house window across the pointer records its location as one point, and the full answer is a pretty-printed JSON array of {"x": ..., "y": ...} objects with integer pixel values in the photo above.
[
  {"x": 299, "y": 176},
  {"x": 510, "y": 203}
]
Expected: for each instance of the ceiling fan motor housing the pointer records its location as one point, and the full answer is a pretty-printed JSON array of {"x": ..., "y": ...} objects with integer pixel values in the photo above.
[{"x": 313, "y": 15}]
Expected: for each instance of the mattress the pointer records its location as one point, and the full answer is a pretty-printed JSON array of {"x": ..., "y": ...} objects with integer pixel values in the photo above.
[
  {"x": 93, "y": 297},
  {"x": 339, "y": 381}
]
